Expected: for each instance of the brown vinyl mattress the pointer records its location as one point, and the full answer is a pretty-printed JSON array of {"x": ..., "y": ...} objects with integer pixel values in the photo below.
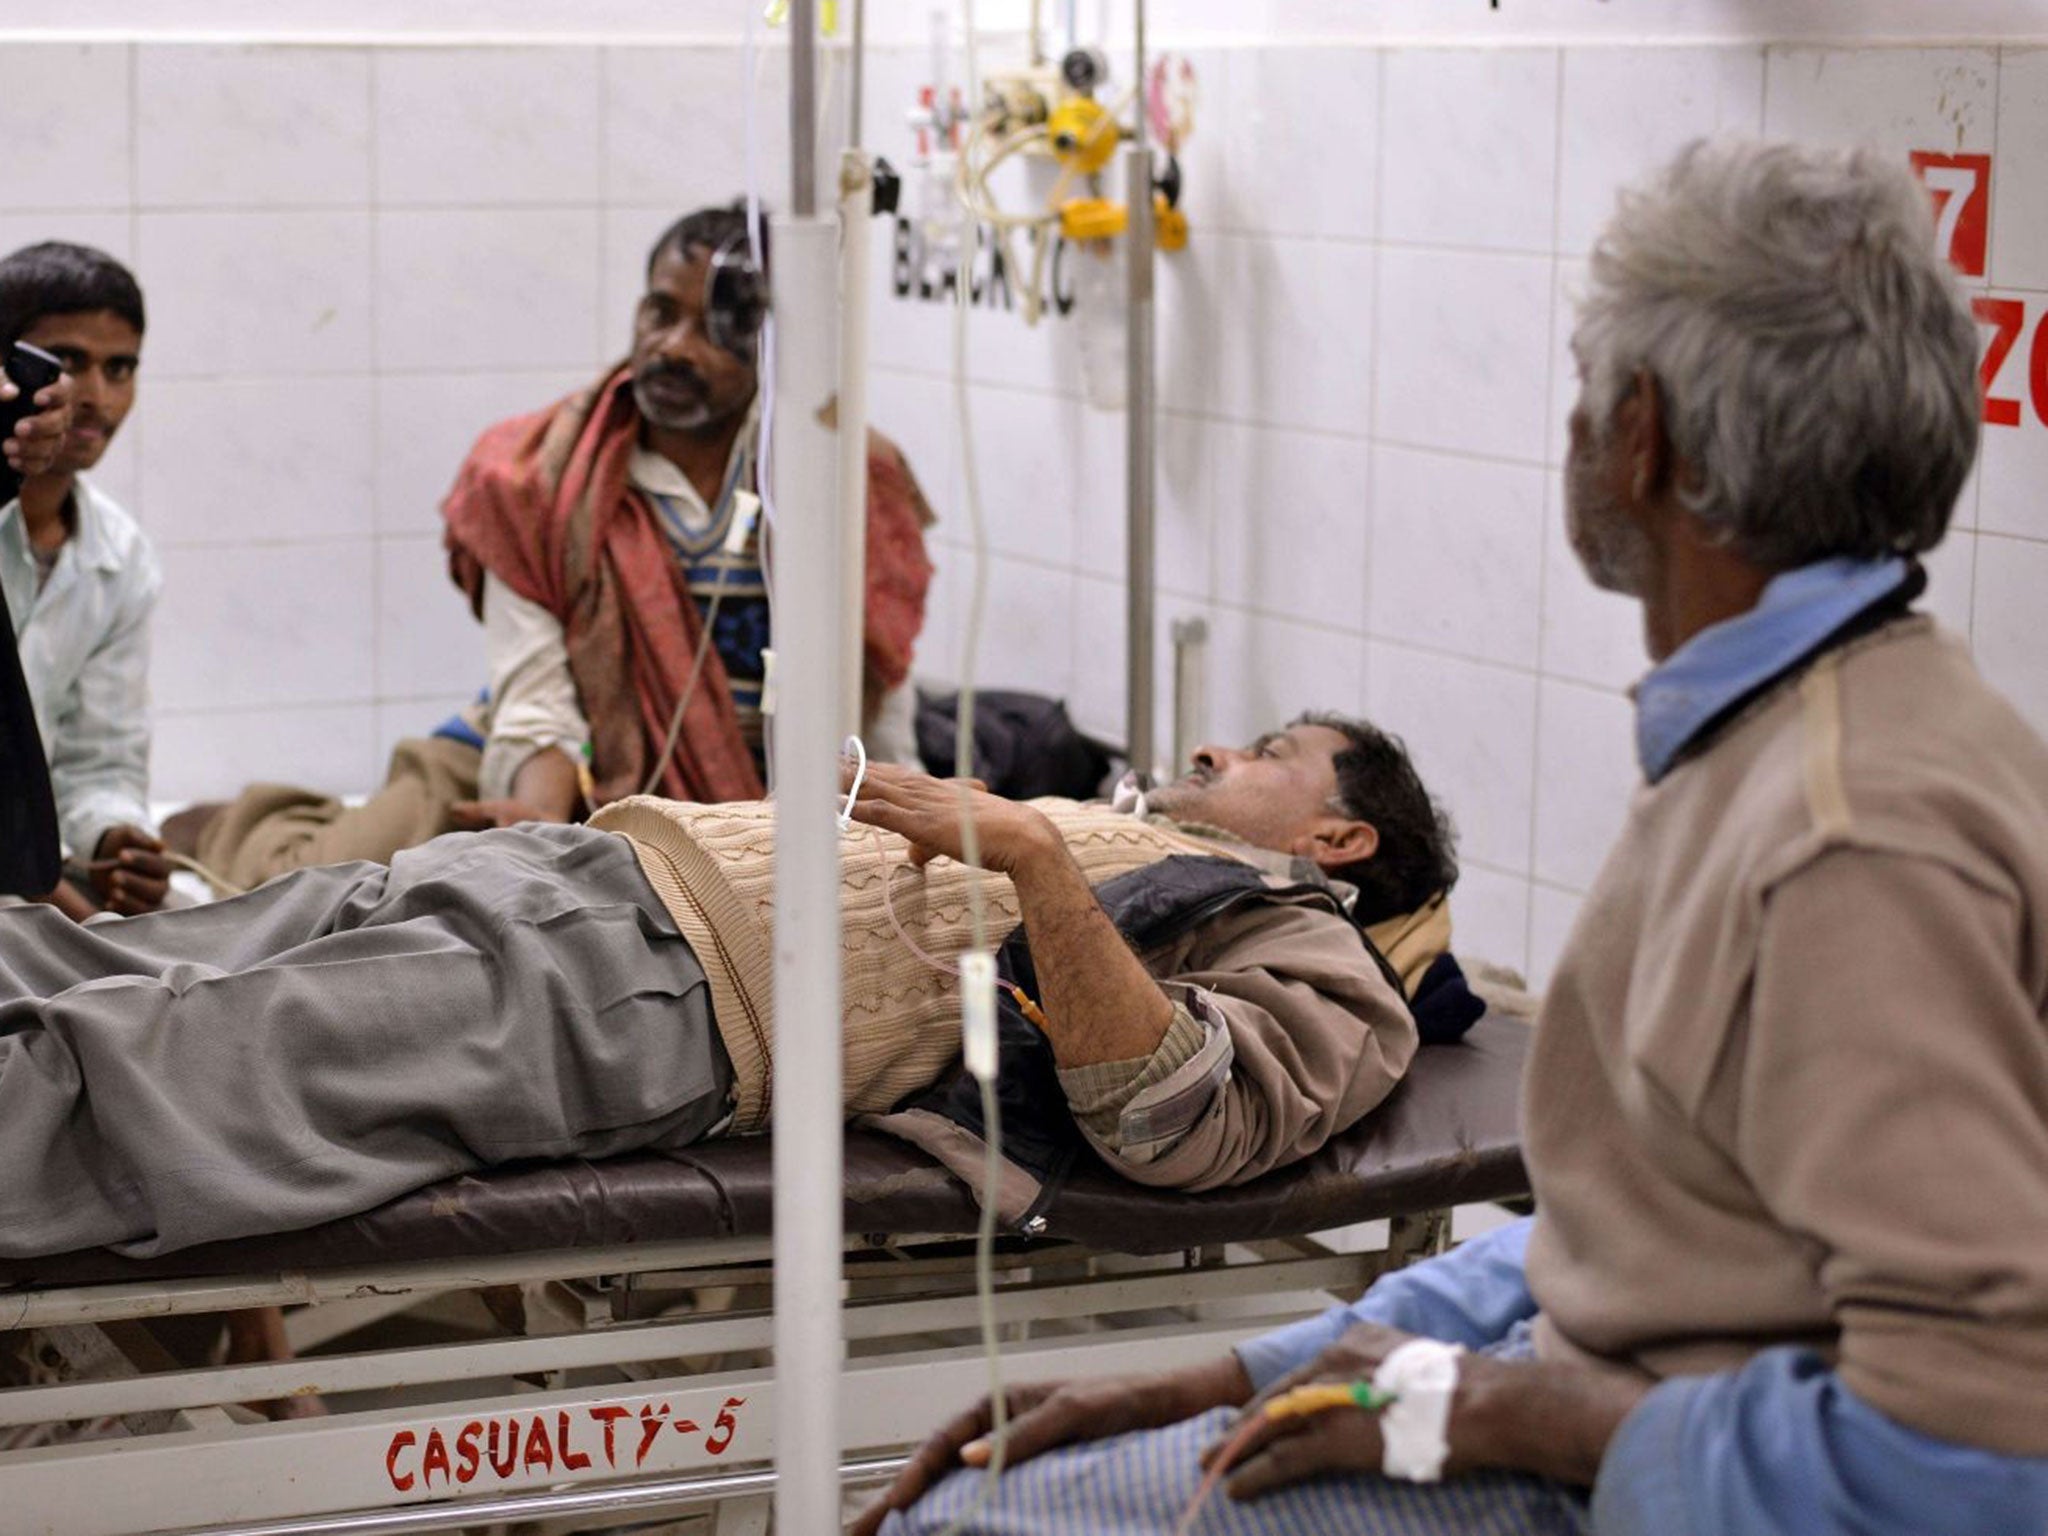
[{"x": 1450, "y": 1134}]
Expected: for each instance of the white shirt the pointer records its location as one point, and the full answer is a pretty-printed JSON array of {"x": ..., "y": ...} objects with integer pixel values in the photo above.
[
  {"x": 84, "y": 641},
  {"x": 534, "y": 704},
  {"x": 533, "y": 695}
]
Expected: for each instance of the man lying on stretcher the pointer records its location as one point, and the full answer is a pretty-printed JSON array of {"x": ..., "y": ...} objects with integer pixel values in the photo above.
[{"x": 1215, "y": 982}]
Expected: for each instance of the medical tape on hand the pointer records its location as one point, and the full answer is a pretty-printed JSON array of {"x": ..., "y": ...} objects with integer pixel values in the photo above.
[
  {"x": 1421, "y": 1375},
  {"x": 978, "y": 1041}
]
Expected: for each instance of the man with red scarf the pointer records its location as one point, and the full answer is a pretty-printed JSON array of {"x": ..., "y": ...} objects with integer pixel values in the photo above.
[
  {"x": 594, "y": 538},
  {"x": 608, "y": 544}
]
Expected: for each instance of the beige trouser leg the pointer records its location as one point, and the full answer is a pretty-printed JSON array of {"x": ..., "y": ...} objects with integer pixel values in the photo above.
[{"x": 273, "y": 828}]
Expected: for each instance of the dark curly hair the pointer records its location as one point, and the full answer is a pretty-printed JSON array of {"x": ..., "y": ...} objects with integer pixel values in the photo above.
[
  {"x": 707, "y": 229},
  {"x": 1377, "y": 783},
  {"x": 59, "y": 278}
]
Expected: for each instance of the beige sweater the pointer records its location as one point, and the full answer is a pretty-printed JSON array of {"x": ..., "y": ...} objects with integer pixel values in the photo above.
[
  {"x": 713, "y": 867},
  {"x": 1790, "y": 1084}
]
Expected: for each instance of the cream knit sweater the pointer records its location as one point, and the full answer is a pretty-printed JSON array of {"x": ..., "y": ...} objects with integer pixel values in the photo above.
[{"x": 714, "y": 868}]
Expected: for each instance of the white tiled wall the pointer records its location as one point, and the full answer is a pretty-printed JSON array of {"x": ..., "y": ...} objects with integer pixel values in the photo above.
[
  {"x": 357, "y": 256},
  {"x": 1364, "y": 370},
  {"x": 354, "y": 259},
  {"x": 723, "y": 21}
]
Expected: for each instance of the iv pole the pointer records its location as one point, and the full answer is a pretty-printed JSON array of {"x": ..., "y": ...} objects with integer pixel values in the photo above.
[
  {"x": 856, "y": 204},
  {"x": 1139, "y": 425},
  {"x": 805, "y": 466}
]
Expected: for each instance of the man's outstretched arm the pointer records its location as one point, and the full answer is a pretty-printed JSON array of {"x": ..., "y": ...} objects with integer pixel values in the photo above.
[{"x": 1471, "y": 1295}]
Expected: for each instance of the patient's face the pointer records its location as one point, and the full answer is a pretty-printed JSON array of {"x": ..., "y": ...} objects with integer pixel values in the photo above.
[
  {"x": 683, "y": 381},
  {"x": 1273, "y": 793},
  {"x": 101, "y": 352}
]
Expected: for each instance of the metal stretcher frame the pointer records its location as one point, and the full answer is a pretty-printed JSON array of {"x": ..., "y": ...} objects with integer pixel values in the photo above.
[{"x": 628, "y": 1394}]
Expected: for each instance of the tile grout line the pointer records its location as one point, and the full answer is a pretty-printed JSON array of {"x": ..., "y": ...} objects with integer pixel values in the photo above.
[
  {"x": 1976, "y": 576},
  {"x": 133, "y": 62},
  {"x": 1551, "y": 385},
  {"x": 1372, "y": 417},
  {"x": 605, "y": 194},
  {"x": 1205, "y": 414},
  {"x": 1990, "y": 202},
  {"x": 372, "y": 142}
]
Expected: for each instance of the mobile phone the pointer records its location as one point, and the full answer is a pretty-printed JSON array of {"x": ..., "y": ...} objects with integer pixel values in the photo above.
[
  {"x": 32, "y": 371},
  {"x": 29, "y": 852}
]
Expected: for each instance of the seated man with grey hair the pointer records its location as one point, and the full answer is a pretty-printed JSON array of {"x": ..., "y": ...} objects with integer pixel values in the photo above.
[{"x": 1787, "y": 1105}]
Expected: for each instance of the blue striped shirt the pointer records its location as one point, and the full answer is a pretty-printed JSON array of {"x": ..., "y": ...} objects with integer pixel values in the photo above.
[{"x": 729, "y": 587}]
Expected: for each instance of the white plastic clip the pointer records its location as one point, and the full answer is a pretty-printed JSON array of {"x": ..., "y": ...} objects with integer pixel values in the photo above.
[
  {"x": 978, "y": 1012},
  {"x": 746, "y": 506},
  {"x": 767, "y": 681},
  {"x": 859, "y": 753}
]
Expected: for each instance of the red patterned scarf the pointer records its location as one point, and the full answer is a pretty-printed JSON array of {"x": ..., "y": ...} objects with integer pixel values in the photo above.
[{"x": 543, "y": 504}]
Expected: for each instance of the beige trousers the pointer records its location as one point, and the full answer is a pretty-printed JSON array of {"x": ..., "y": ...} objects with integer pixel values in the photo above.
[{"x": 274, "y": 828}]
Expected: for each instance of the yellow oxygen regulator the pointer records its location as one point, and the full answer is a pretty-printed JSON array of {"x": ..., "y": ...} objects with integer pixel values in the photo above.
[
  {"x": 1082, "y": 135},
  {"x": 1059, "y": 114}
]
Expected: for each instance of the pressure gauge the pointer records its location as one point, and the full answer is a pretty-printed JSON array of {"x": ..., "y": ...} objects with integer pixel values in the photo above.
[{"x": 1084, "y": 70}]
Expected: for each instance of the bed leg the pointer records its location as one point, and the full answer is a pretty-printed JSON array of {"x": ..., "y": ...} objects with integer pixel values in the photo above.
[
  {"x": 1417, "y": 1236},
  {"x": 743, "y": 1517}
]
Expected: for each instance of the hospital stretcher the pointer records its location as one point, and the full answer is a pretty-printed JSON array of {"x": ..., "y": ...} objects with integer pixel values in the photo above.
[{"x": 619, "y": 1373}]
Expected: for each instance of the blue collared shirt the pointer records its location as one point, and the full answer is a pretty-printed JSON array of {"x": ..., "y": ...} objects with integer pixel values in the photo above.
[
  {"x": 1777, "y": 1448},
  {"x": 84, "y": 642},
  {"x": 1797, "y": 611}
]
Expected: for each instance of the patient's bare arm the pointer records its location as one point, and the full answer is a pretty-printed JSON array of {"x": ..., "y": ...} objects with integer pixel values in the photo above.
[
  {"x": 544, "y": 789},
  {"x": 547, "y": 782},
  {"x": 1100, "y": 1003}
]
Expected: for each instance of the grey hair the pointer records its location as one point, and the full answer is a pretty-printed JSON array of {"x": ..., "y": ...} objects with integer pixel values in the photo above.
[{"x": 1815, "y": 359}]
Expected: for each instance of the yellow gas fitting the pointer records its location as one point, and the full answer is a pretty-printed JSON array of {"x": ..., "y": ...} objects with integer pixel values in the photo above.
[
  {"x": 1169, "y": 225},
  {"x": 1093, "y": 218},
  {"x": 1082, "y": 134}
]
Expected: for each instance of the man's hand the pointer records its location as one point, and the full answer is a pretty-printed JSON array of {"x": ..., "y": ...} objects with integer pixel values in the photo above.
[
  {"x": 483, "y": 815},
  {"x": 70, "y": 900},
  {"x": 32, "y": 447},
  {"x": 1100, "y": 1003},
  {"x": 1520, "y": 1415},
  {"x": 129, "y": 871},
  {"x": 928, "y": 812},
  {"x": 1049, "y": 1414},
  {"x": 1281, "y": 1452}
]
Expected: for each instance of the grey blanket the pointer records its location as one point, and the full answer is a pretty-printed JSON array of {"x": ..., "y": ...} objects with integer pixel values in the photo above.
[{"x": 341, "y": 1036}]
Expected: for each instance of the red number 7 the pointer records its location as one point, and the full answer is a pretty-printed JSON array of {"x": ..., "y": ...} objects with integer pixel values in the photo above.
[{"x": 1961, "y": 186}]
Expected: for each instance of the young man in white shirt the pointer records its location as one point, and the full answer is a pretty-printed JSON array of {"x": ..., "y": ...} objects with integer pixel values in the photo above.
[{"x": 81, "y": 581}]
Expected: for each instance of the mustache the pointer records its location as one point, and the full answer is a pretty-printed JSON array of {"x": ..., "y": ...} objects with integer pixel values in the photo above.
[{"x": 676, "y": 375}]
